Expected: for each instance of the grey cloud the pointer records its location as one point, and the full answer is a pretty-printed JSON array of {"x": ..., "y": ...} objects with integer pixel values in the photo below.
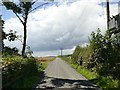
[{"x": 64, "y": 26}]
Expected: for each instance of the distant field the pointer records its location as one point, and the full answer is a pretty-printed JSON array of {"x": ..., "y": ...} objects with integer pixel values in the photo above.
[{"x": 44, "y": 59}]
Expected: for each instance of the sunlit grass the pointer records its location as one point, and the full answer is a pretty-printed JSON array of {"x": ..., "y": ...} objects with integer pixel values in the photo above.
[
  {"x": 87, "y": 73},
  {"x": 42, "y": 65},
  {"x": 103, "y": 82}
]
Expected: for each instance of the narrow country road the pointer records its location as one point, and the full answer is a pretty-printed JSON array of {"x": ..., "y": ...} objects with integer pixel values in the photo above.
[{"x": 60, "y": 75}]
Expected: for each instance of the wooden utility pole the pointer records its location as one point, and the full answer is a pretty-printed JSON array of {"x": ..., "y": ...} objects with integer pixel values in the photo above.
[
  {"x": 61, "y": 51},
  {"x": 108, "y": 14},
  {"x": 108, "y": 18}
]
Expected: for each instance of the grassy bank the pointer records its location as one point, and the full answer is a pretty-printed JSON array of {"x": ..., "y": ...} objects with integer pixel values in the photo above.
[{"x": 104, "y": 82}]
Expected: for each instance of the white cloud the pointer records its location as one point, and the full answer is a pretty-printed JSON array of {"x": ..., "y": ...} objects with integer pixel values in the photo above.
[
  {"x": 65, "y": 26},
  {"x": 113, "y": 9}
]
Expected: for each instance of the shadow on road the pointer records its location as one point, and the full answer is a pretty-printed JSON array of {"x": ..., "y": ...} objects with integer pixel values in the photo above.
[{"x": 59, "y": 83}]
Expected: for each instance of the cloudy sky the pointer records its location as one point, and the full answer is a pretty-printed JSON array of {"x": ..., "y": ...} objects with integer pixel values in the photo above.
[{"x": 64, "y": 26}]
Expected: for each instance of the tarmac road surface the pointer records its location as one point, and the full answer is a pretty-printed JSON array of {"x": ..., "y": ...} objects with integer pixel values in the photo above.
[{"x": 59, "y": 75}]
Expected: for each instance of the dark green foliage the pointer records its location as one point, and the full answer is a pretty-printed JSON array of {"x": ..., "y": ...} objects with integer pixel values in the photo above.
[
  {"x": 12, "y": 6},
  {"x": 21, "y": 9},
  {"x": 106, "y": 54},
  {"x": 3, "y": 33},
  {"x": 22, "y": 72},
  {"x": 101, "y": 56},
  {"x": 12, "y": 36},
  {"x": 75, "y": 54},
  {"x": 16, "y": 68},
  {"x": 6, "y": 50},
  {"x": 9, "y": 52},
  {"x": 81, "y": 55}
]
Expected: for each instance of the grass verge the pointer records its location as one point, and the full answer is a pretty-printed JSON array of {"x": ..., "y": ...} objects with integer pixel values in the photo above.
[{"x": 105, "y": 83}]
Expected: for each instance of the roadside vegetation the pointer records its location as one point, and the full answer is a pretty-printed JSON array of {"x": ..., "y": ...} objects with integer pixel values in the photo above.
[
  {"x": 99, "y": 61},
  {"x": 22, "y": 72},
  {"x": 19, "y": 71},
  {"x": 29, "y": 80},
  {"x": 105, "y": 82}
]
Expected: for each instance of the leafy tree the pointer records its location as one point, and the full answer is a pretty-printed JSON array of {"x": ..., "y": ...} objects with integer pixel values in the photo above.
[
  {"x": 96, "y": 43},
  {"x": 22, "y": 11},
  {"x": 8, "y": 51},
  {"x": 12, "y": 35},
  {"x": 3, "y": 36},
  {"x": 76, "y": 54},
  {"x": 102, "y": 55},
  {"x": 29, "y": 52},
  {"x": 105, "y": 54}
]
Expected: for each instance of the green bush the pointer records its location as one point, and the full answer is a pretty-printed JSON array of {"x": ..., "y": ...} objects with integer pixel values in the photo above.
[
  {"x": 101, "y": 56},
  {"x": 16, "y": 68}
]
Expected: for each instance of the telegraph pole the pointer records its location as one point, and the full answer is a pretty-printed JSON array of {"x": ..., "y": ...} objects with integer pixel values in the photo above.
[
  {"x": 108, "y": 15},
  {"x": 61, "y": 51}
]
